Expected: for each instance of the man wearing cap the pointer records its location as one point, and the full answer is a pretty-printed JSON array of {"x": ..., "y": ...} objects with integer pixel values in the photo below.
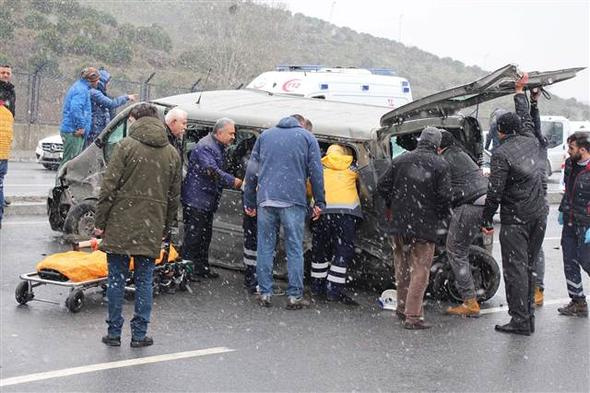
[
  {"x": 518, "y": 183},
  {"x": 417, "y": 193},
  {"x": 77, "y": 113}
]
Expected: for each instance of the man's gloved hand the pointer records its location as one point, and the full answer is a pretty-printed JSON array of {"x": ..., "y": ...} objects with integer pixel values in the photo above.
[
  {"x": 587, "y": 238},
  {"x": 560, "y": 218}
]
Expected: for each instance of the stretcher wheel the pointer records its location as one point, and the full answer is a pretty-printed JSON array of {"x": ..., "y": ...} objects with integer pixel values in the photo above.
[
  {"x": 22, "y": 294},
  {"x": 75, "y": 300}
]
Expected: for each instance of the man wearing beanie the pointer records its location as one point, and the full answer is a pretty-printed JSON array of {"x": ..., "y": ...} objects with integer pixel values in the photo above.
[
  {"x": 518, "y": 184},
  {"x": 417, "y": 194},
  {"x": 77, "y": 114},
  {"x": 469, "y": 186}
]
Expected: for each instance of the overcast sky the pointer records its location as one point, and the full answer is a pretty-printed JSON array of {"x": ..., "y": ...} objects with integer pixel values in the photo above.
[{"x": 536, "y": 35}]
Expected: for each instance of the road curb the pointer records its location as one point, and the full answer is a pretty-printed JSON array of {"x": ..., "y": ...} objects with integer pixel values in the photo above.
[{"x": 25, "y": 208}]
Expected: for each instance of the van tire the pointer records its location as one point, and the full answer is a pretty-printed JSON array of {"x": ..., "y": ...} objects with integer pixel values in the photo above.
[
  {"x": 80, "y": 220},
  {"x": 549, "y": 170}
]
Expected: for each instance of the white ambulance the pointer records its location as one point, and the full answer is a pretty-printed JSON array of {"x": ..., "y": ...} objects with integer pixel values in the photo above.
[{"x": 375, "y": 86}]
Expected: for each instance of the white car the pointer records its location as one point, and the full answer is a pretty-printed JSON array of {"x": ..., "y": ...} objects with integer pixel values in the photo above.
[{"x": 49, "y": 151}]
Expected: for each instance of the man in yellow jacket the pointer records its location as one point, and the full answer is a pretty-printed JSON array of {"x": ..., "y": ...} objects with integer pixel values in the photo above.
[
  {"x": 334, "y": 232},
  {"x": 6, "y": 132}
]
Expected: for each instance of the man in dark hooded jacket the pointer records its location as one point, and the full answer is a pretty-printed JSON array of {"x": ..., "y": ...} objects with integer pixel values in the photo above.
[
  {"x": 138, "y": 202},
  {"x": 417, "y": 194},
  {"x": 103, "y": 106},
  {"x": 469, "y": 187},
  {"x": 518, "y": 184}
]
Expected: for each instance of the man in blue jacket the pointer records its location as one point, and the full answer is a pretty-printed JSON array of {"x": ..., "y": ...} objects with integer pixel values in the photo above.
[
  {"x": 103, "y": 106},
  {"x": 282, "y": 160},
  {"x": 201, "y": 192},
  {"x": 77, "y": 114}
]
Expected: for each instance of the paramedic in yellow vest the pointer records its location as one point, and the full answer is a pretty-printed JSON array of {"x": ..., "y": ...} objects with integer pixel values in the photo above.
[
  {"x": 334, "y": 232},
  {"x": 6, "y": 126}
]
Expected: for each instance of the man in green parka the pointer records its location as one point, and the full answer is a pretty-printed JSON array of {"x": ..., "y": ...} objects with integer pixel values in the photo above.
[{"x": 137, "y": 203}]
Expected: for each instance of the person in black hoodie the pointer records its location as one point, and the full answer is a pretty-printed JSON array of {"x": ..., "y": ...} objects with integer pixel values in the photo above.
[
  {"x": 417, "y": 193},
  {"x": 518, "y": 184},
  {"x": 469, "y": 187}
]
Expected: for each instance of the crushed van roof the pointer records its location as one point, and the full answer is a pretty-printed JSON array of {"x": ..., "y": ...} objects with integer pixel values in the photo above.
[{"x": 260, "y": 109}]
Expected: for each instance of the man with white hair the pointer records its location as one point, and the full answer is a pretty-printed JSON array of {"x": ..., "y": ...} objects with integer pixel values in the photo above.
[
  {"x": 201, "y": 191},
  {"x": 176, "y": 120}
]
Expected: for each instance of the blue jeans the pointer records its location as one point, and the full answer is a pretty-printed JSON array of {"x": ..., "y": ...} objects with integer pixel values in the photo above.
[
  {"x": 142, "y": 277},
  {"x": 292, "y": 219},
  {"x": 3, "y": 170}
]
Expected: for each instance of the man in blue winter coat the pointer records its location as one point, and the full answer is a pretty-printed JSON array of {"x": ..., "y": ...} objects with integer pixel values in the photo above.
[
  {"x": 103, "y": 106},
  {"x": 201, "y": 191},
  {"x": 283, "y": 159},
  {"x": 77, "y": 114}
]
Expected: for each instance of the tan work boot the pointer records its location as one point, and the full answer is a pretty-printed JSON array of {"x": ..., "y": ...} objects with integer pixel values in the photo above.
[
  {"x": 469, "y": 308},
  {"x": 539, "y": 296}
]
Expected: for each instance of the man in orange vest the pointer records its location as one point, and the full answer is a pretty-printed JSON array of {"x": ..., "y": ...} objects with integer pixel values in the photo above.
[{"x": 7, "y": 101}]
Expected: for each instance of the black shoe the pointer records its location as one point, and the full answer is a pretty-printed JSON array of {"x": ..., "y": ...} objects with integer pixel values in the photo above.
[
  {"x": 208, "y": 273},
  {"x": 6, "y": 202},
  {"x": 575, "y": 308},
  {"x": 296, "y": 303},
  {"x": 342, "y": 298},
  {"x": 418, "y": 325},
  {"x": 264, "y": 300},
  {"x": 144, "y": 342},
  {"x": 111, "y": 341},
  {"x": 514, "y": 329}
]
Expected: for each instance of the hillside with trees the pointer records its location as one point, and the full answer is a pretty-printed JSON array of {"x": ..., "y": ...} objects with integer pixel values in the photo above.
[{"x": 223, "y": 43}]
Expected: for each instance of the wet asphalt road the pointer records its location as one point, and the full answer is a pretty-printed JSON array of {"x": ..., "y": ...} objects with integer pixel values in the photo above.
[{"x": 325, "y": 348}]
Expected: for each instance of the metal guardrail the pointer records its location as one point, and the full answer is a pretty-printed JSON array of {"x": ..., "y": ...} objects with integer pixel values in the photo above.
[{"x": 39, "y": 97}]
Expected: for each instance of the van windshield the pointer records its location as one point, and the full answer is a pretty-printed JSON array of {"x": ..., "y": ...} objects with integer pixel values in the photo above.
[{"x": 553, "y": 131}]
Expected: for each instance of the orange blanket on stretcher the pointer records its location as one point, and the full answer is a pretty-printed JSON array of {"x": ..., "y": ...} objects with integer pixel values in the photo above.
[{"x": 80, "y": 266}]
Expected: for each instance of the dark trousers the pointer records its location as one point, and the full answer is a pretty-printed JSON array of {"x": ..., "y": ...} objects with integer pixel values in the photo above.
[
  {"x": 464, "y": 227},
  {"x": 250, "y": 231},
  {"x": 576, "y": 254},
  {"x": 198, "y": 228},
  {"x": 520, "y": 250},
  {"x": 332, "y": 249}
]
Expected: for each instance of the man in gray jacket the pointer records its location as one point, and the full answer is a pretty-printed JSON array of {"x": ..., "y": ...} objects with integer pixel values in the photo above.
[{"x": 468, "y": 191}]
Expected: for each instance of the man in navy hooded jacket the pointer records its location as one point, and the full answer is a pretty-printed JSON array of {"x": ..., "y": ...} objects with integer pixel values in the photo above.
[
  {"x": 283, "y": 159},
  {"x": 201, "y": 192}
]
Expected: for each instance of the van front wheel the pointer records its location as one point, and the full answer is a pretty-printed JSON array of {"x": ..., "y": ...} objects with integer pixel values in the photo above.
[{"x": 80, "y": 220}]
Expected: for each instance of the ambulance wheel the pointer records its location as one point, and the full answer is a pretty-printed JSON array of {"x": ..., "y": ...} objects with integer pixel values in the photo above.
[
  {"x": 75, "y": 301},
  {"x": 22, "y": 294}
]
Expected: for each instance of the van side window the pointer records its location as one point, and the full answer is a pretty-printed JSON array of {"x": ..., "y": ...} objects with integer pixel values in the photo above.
[
  {"x": 238, "y": 153},
  {"x": 114, "y": 137},
  {"x": 194, "y": 133}
]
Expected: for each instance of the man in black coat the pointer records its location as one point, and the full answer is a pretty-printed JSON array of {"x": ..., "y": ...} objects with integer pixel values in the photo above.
[
  {"x": 518, "y": 184},
  {"x": 417, "y": 194},
  {"x": 469, "y": 186}
]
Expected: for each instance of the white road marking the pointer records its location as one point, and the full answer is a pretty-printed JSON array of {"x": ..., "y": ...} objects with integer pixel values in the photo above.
[
  {"x": 493, "y": 310},
  {"x": 111, "y": 365}
]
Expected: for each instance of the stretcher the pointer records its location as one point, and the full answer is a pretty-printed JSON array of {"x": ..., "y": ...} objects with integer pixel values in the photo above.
[{"x": 80, "y": 271}]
